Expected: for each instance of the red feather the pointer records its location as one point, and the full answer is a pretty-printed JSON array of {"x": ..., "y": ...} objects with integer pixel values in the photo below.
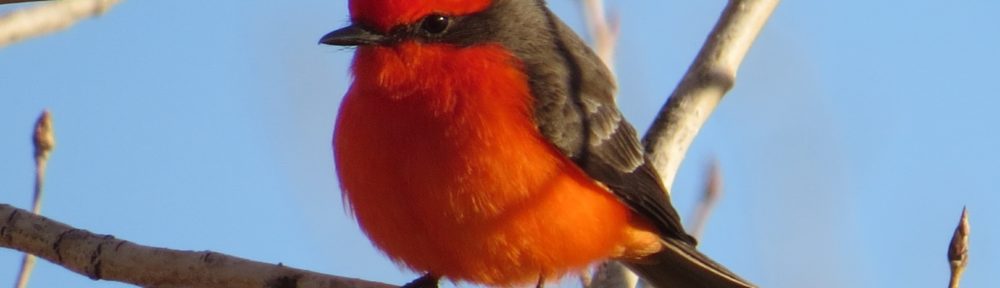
[{"x": 386, "y": 14}]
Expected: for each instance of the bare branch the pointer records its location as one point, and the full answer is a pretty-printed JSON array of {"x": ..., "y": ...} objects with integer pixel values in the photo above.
[
  {"x": 44, "y": 141},
  {"x": 2, "y": 2},
  {"x": 710, "y": 76},
  {"x": 710, "y": 197},
  {"x": 104, "y": 257},
  {"x": 958, "y": 250},
  {"x": 603, "y": 31},
  {"x": 47, "y": 18}
]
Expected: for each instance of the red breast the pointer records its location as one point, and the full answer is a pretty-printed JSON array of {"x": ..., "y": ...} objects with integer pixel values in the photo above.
[{"x": 446, "y": 172}]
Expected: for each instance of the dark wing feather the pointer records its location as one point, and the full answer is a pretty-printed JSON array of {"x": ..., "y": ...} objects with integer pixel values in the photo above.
[
  {"x": 596, "y": 136},
  {"x": 607, "y": 148}
]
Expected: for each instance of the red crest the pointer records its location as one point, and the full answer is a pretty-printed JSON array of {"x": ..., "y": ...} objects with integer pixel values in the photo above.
[{"x": 385, "y": 14}]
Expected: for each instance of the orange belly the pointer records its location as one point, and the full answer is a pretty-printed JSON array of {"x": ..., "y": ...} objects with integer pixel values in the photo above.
[{"x": 452, "y": 177}]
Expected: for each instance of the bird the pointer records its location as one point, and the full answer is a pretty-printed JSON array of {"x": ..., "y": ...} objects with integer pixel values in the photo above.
[{"x": 480, "y": 142}]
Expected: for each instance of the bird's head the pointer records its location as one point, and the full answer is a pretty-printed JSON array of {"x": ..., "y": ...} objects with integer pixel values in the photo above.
[{"x": 387, "y": 22}]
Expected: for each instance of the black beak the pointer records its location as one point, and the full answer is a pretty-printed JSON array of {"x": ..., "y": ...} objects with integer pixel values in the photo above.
[{"x": 352, "y": 35}]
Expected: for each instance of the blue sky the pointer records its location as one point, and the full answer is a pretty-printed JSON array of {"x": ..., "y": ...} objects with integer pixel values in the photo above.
[{"x": 856, "y": 132}]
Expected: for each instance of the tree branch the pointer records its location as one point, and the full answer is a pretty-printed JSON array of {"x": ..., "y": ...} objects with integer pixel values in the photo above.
[
  {"x": 47, "y": 18},
  {"x": 707, "y": 80},
  {"x": 104, "y": 257},
  {"x": 2, "y": 2}
]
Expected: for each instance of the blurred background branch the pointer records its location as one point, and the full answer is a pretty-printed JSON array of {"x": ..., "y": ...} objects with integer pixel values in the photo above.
[
  {"x": 47, "y": 18},
  {"x": 603, "y": 31},
  {"x": 711, "y": 193}
]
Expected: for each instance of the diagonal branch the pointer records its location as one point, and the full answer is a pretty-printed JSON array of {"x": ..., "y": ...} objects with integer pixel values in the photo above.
[
  {"x": 104, "y": 257},
  {"x": 47, "y": 18},
  {"x": 707, "y": 80}
]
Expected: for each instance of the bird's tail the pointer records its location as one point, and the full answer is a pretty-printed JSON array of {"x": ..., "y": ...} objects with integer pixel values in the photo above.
[{"x": 680, "y": 265}]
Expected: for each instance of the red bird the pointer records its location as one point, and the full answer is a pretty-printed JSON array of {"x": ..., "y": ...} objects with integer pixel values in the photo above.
[{"x": 480, "y": 142}]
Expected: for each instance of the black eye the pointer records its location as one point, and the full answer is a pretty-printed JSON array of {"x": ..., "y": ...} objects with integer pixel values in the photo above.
[{"x": 435, "y": 24}]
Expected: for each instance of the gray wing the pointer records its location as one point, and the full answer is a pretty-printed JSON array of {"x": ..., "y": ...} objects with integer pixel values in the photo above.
[
  {"x": 574, "y": 105},
  {"x": 579, "y": 115},
  {"x": 575, "y": 110}
]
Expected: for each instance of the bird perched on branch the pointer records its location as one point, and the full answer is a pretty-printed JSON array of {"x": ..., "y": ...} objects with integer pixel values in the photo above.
[{"x": 480, "y": 142}]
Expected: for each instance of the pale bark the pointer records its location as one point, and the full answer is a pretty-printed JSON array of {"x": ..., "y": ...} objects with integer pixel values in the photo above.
[
  {"x": 47, "y": 18},
  {"x": 712, "y": 74}
]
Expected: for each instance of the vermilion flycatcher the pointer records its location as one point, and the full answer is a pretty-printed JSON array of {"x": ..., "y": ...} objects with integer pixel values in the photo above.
[{"x": 480, "y": 142}]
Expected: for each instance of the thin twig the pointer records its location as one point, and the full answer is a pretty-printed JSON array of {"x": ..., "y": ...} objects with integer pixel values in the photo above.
[
  {"x": 47, "y": 18},
  {"x": 104, "y": 257},
  {"x": 44, "y": 141},
  {"x": 603, "y": 31},
  {"x": 958, "y": 250},
  {"x": 709, "y": 198},
  {"x": 710, "y": 76}
]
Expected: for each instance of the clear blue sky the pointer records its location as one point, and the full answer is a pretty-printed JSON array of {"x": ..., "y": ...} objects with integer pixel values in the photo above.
[{"x": 855, "y": 134}]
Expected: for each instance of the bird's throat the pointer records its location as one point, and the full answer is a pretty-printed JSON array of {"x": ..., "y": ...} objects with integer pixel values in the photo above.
[{"x": 441, "y": 75}]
